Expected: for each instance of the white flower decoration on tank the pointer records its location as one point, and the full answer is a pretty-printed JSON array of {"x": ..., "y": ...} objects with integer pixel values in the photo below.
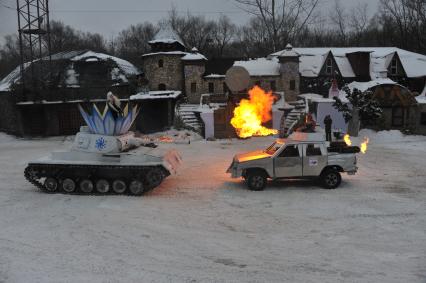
[{"x": 108, "y": 122}]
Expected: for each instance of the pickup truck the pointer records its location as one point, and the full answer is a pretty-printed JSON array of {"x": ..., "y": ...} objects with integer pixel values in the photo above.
[{"x": 302, "y": 155}]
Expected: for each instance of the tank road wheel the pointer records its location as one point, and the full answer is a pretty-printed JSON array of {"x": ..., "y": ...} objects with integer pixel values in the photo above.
[
  {"x": 136, "y": 187},
  {"x": 51, "y": 184},
  {"x": 154, "y": 177},
  {"x": 331, "y": 179},
  {"x": 86, "y": 186},
  {"x": 102, "y": 186},
  {"x": 119, "y": 186},
  {"x": 68, "y": 185}
]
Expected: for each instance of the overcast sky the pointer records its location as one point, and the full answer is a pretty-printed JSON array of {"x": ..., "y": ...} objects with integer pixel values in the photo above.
[{"x": 109, "y": 17}]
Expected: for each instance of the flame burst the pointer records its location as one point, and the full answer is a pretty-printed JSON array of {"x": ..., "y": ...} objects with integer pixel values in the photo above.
[
  {"x": 250, "y": 114},
  {"x": 364, "y": 145},
  {"x": 347, "y": 140}
]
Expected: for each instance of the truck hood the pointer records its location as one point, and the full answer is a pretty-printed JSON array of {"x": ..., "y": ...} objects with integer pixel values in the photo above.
[{"x": 253, "y": 155}]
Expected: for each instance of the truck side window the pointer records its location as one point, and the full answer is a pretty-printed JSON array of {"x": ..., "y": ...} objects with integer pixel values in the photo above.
[
  {"x": 313, "y": 150},
  {"x": 290, "y": 151}
]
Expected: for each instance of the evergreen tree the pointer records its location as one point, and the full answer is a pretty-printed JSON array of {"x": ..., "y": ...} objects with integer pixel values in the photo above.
[{"x": 361, "y": 106}]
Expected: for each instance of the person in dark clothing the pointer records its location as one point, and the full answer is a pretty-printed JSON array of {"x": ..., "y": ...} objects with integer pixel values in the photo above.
[{"x": 327, "y": 122}]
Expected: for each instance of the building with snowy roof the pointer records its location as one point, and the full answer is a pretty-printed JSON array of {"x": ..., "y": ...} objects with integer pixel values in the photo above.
[{"x": 75, "y": 77}]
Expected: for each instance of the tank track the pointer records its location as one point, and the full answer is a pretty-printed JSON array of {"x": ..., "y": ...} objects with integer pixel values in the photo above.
[{"x": 35, "y": 173}]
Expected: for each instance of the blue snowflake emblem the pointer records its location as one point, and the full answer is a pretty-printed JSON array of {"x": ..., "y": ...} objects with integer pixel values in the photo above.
[{"x": 100, "y": 143}]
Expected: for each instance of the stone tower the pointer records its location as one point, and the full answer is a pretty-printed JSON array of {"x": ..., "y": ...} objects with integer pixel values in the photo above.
[
  {"x": 194, "y": 66},
  {"x": 163, "y": 66},
  {"x": 289, "y": 71}
]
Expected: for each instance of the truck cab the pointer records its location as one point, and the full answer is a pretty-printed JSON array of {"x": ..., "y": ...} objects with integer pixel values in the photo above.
[{"x": 303, "y": 155}]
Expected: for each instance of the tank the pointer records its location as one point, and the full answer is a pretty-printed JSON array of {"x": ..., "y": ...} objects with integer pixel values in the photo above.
[{"x": 105, "y": 158}]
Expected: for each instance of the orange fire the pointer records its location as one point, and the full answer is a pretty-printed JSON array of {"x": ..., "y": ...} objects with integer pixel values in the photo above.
[
  {"x": 364, "y": 145},
  {"x": 250, "y": 114},
  {"x": 347, "y": 140}
]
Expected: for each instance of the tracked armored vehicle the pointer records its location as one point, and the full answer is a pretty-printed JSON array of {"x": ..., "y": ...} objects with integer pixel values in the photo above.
[{"x": 105, "y": 158}]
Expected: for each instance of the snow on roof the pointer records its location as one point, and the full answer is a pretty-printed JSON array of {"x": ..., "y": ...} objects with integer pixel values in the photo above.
[
  {"x": 363, "y": 86},
  {"x": 314, "y": 97},
  {"x": 312, "y": 59},
  {"x": 166, "y": 35},
  {"x": 214, "y": 76},
  {"x": 159, "y": 94},
  {"x": 127, "y": 67},
  {"x": 166, "y": 53},
  {"x": 194, "y": 57},
  {"x": 289, "y": 52},
  {"x": 12, "y": 78},
  {"x": 261, "y": 66},
  {"x": 344, "y": 66},
  {"x": 421, "y": 99},
  {"x": 123, "y": 68}
]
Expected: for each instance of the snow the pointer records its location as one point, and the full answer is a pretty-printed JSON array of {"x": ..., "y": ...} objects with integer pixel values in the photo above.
[
  {"x": 363, "y": 86},
  {"x": 117, "y": 75},
  {"x": 125, "y": 66},
  {"x": 312, "y": 59},
  {"x": 166, "y": 53},
  {"x": 261, "y": 66},
  {"x": 166, "y": 35},
  {"x": 71, "y": 76},
  {"x": 314, "y": 97},
  {"x": 214, "y": 76},
  {"x": 193, "y": 57},
  {"x": 421, "y": 99},
  {"x": 202, "y": 226},
  {"x": 12, "y": 78},
  {"x": 159, "y": 94}
]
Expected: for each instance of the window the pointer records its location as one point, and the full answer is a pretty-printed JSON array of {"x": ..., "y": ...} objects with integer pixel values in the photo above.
[
  {"x": 329, "y": 67},
  {"x": 161, "y": 87},
  {"x": 273, "y": 86},
  {"x": 423, "y": 118},
  {"x": 397, "y": 117},
  {"x": 292, "y": 85},
  {"x": 211, "y": 87},
  {"x": 394, "y": 67},
  {"x": 193, "y": 87},
  {"x": 160, "y": 63},
  {"x": 273, "y": 148},
  {"x": 313, "y": 150},
  {"x": 290, "y": 151}
]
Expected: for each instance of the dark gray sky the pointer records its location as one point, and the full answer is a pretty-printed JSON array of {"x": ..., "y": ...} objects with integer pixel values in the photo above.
[{"x": 108, "y": 17}]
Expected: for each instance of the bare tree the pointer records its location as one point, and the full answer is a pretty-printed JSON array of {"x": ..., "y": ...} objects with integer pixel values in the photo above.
[
  {"x": 223, "y": 34},
  {"x": 339, "y": 19},
  {"x": 283, "y": 19},
  {"x": 359, "y": 20}
]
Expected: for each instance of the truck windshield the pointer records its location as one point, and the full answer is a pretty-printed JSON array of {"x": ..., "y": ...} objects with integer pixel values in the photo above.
[{"x": 273, "y": 148}]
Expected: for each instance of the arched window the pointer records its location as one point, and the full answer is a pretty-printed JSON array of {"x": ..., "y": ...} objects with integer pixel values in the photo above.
[
  {"x": 161, "y": 87},
  {"x": 160, "y": 63}
]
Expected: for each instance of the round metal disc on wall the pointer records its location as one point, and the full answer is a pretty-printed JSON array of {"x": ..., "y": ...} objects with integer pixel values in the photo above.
[{"x": 237, "y": 78}]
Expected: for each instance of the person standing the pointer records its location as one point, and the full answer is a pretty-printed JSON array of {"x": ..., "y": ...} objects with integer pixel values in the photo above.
[{"x": 328, "y": 122}]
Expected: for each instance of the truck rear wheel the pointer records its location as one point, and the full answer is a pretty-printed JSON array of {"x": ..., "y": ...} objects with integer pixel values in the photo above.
[
  {"x": 256, "y": 180},
  {"x": 331, "y": 179}
]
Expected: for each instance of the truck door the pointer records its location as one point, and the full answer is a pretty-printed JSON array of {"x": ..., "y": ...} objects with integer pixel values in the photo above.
[
  {"x": 289, "y": 162},
  {"x": 314, "y": 159}
]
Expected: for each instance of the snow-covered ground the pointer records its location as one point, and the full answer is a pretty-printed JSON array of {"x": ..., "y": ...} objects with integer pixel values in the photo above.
[{"x": 202, "y": 226}]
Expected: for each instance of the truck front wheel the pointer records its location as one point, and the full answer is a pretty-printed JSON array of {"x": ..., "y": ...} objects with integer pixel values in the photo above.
[
  {"x": 331, "y": 179},
  {"x": 256, "y": 180}
]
